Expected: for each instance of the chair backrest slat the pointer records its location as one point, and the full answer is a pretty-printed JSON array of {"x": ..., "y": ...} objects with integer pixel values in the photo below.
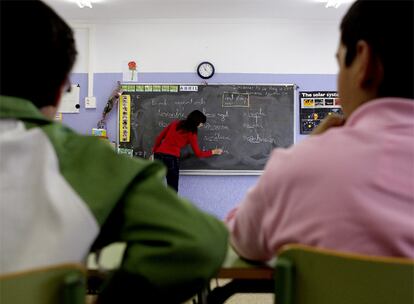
[
  {"x": 326, "y": 277},
  {"x": 51, "y": 285}
]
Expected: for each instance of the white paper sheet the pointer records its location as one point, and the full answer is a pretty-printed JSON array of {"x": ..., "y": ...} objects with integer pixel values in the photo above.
[{"x": 70, "y": 101}]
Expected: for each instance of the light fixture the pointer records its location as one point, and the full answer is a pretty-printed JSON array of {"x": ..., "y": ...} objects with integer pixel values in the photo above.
[
  {"x": 335, "y": 3},
  {"x": 84, "y": 3}
]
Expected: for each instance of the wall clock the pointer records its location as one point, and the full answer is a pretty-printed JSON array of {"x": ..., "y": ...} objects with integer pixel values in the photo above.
[{"x": 205, "y": 70}]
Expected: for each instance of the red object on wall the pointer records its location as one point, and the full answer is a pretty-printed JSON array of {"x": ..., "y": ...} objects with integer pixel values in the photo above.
[{"x": 132, "y": 65}]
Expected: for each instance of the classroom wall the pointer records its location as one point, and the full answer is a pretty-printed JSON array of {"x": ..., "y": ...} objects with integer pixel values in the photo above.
[
  {"x": 168, "y": 51},
  {"x": 234, "y": 46}
]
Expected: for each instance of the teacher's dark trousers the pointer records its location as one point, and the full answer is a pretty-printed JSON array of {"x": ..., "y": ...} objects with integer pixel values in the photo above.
[{"x": 173, "y": 168}]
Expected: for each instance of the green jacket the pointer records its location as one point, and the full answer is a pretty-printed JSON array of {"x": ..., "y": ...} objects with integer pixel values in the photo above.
[{"x": 173, "y": 249}]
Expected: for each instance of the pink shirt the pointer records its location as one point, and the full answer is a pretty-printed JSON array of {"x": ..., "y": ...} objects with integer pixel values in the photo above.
[{"x": 349, "y": 189}]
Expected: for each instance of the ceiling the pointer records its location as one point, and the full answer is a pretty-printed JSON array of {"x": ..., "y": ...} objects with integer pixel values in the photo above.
[{"x": 118, "y": 10}]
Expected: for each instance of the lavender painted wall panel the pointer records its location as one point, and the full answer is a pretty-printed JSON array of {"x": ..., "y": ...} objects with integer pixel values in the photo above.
[
  {"x": 214, "y": 194},
  {"x": 87, "y": 119}
]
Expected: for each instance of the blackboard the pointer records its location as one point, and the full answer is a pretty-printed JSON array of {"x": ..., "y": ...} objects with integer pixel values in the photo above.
[{"x": 246, "y": 121}]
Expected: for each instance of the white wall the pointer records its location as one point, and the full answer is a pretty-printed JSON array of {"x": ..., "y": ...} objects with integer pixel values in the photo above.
[
  {"x": 82, "y": 41},
  {"x": 234, "y": 46}
]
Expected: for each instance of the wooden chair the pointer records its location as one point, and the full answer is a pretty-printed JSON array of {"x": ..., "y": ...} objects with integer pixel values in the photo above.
[
  {"x": 307, "y": 275},
  {"x": 60, "y": 284}
]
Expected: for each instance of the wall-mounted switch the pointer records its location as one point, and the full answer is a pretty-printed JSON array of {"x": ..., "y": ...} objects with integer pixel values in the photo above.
[{"x": 90, "y": 102}]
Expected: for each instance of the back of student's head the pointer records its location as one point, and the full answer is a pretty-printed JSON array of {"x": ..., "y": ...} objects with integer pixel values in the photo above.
[
  {"x": 193, "y": 120},
  {"x": 37, "y": 51},
  {"x": 387, "y": 26}
]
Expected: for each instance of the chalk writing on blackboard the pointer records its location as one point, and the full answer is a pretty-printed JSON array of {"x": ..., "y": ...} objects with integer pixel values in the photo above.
[
  {"x": 235, "y": 100},
  {"x": 246, "y": 121}
]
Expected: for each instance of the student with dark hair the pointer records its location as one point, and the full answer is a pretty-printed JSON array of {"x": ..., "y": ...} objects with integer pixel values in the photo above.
[
  {"x": 349, "y": 186},
  {"x": 64, "y": 194},
  {"x": 176, "y": 136}
]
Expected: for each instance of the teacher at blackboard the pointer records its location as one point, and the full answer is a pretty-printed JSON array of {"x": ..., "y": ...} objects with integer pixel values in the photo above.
[{"x": 176, "y": 136}]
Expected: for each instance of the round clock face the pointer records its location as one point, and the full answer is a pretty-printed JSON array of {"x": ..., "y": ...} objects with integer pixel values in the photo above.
[{"x": 205, "y": 70}]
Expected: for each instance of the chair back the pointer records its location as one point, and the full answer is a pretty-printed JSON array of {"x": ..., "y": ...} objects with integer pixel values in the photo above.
[
  {"x": 60, "y": 284},
  {"x": 307, "y": 275}
]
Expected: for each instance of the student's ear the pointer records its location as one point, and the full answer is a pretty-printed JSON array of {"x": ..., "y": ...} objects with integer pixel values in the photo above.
[{"x": 370, "y": 70}]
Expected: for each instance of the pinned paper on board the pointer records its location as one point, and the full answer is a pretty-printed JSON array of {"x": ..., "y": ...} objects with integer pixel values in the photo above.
[
  {"x": 69, "y": 102},
  {"x": 315, "y": 106},
  {"x": 125, "y": 151},
  {"x": 130, "y": 72},
  {"x": 124, "y": 118},
  {"x": 58, "y": 116}
]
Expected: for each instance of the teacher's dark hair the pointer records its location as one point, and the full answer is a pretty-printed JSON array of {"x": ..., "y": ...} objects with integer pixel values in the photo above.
[
  {"x": 37, "y": 51},
  {"x": 193, "y": 120},
  {"x": 387, "y": 26}
]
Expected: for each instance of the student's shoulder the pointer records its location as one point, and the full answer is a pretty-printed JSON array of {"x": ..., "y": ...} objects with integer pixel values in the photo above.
[
  {"x": 75, "y": 147},
  {"x": 61, "y": 135},
  {"x": 310, "y": 155},
  {"x": 96, "y": 172}
]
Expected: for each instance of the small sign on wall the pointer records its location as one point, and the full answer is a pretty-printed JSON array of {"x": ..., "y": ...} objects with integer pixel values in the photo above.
[
  {"x": 315, "y": 106},
  {"x": 58, "y": 117}
]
